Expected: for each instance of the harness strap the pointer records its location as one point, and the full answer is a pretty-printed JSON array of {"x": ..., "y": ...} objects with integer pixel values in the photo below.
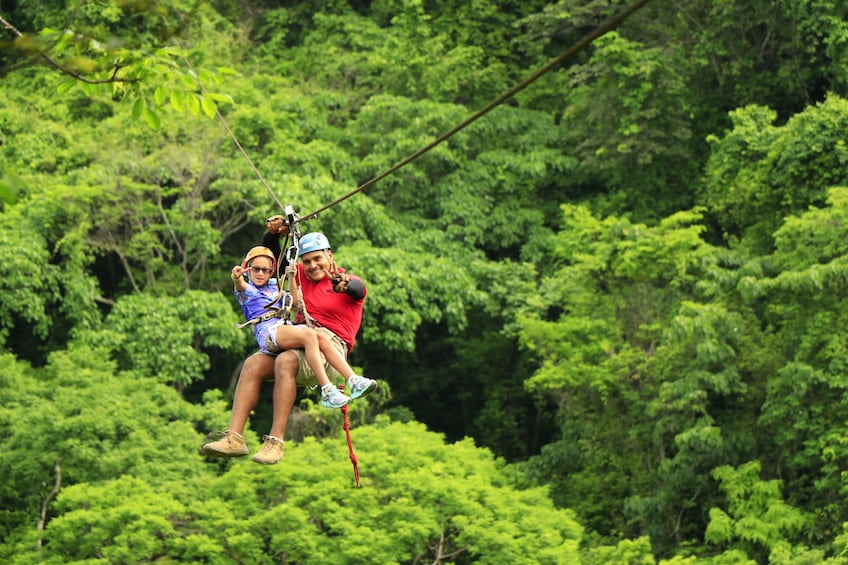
[{"x": 263, "y": 318}]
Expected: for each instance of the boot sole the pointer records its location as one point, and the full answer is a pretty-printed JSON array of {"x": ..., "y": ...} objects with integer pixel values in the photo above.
[
  {"x": 213, "y": 453},
  {"x": 263, "y": 462}
]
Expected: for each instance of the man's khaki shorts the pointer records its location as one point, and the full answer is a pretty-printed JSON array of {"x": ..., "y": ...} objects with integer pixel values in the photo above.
[{"x": 305, "y": 376}]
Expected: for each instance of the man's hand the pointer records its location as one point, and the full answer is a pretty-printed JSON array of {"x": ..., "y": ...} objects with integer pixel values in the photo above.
[
  {"x": 277, "y": 224},
  {"x": 340, "y": 280}
]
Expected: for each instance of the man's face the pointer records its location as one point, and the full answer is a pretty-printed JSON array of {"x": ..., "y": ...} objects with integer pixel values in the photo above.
[{"x": 317, "y": 264}]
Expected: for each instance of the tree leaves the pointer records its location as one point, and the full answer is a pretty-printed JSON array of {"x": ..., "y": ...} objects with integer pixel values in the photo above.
[
  {"x": 427, "y": 499},
  {"x": 757, "y": 515},
  {"x": 165, "y": 336},
  {"x": 645, "y": 360}
]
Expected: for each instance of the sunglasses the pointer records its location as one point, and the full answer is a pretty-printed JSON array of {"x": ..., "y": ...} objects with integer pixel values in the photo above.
[{"x": 265, "y": 270}]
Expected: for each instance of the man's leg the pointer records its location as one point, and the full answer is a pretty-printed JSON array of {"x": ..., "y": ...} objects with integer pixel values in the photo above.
[
  {"x": 285, "y": 391},
  {"x": 285, "y": 394},
  {"x": 256, "y": 369}
]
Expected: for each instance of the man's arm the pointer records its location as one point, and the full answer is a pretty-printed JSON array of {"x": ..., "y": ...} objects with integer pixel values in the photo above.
[
  {"x": 355, "y": 289},
  {"x": 345, "y": 284},
  {"x": 277, "y": 229}
]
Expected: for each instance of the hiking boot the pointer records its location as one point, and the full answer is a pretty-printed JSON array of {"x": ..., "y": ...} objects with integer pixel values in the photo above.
[
  {"x": 271, "y": 452},
  {"x": 231, "y": 444},
  {"x": 332, "y": 397},
  {"x": 360, "y": 386}
]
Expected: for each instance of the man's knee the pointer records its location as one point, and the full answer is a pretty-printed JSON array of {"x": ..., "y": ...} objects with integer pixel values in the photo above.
[
  {"x": 286, "y": 365},
  {"x": 257, "y": 367}
]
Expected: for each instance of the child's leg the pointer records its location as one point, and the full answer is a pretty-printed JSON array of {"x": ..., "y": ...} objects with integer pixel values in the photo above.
[
  {"x": 336, "y": 360},
  {"x": 356, "y": 385},
  {"x": 291, "y": 337}
]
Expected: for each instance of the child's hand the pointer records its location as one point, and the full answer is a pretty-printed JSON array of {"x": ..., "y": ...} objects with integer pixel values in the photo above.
[{"x": 237, "y": 272}]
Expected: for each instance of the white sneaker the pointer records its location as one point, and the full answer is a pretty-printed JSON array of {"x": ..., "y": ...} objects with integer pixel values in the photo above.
[
  {"x": 360, "y": 386},
  {"x": 332, "y": 397}
]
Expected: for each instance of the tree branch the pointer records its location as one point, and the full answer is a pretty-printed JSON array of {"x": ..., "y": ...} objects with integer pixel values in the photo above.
[
  {"x": 42, "y": 521},
  {"x": 55, "y": 65}
]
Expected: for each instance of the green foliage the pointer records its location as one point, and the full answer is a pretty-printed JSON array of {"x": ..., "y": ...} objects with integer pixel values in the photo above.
[
  {"x": 21, "y": 293},
  {"x": 10, "y": 186},
  {"x": 102, "y": 51},
  {"x": 783, "y": 56},
  {"x": 803, "y": 304},
  {"x": 427, "y": 500},
  {"x": 418, "y": 288},
  {"x": 612, "y": 286},
  {"x": 756, "y": 516},
  {"x": 636, "y": 266},
  {"x": 78, "y": 420},
  {"x": 758, "y": 173},
  {"x": 815, "y": 238},
  {"x": 641, "y": 365},
  {"x": 166, "y": 337},
  {"x": 44, "y": 283},
  {"x": 444, "y": 52},
  {"x": 628, "y": 124},
  {"x": 453, "y": 184},
  {"x": 634, "y": 552},
  {"x": 390, "y": 128}
]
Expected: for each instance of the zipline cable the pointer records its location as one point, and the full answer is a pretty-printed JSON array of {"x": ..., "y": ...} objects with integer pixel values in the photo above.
[
  {"x": 249, "y": 161},
  {"x": 607, "y": 26},
  {"x": 232, "y": 135}
]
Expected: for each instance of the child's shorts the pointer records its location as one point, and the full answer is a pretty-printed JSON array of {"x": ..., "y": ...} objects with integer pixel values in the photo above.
[{"x": 267, "y": 337}]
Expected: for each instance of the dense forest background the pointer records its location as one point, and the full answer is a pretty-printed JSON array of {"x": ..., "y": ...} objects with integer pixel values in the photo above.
[{"x": 608, "y": 317}]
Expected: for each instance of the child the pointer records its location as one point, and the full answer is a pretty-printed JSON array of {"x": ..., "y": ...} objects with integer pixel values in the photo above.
[{"x": 275, "y": 334}]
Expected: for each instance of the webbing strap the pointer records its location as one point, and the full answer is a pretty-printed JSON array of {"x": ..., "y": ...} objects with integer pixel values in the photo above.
[{"x": 263, "y": 318}]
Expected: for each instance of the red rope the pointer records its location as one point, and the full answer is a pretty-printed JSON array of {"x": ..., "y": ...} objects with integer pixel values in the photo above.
[{"x": 353, "y": 458}]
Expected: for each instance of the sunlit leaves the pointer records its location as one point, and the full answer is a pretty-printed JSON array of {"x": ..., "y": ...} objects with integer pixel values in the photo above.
[
  {"x": 818, "y": 236},
  {"x": 428, "y": 499},
  {"x": 159, "y": 79},
  {"x": 78, "y": 413},
  {"x": 43, "y": 273},
  {"x": 21, "y": 294},
  {"x": 645, "y": 270},
  {"x": 125, "y": 520},
  {"x": 757, "y": 518},
  {"x": 165, "y": 337}
]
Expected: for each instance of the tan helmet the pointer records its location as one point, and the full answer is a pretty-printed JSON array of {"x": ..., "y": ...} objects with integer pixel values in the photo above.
[{"x": 260, "y": 251}]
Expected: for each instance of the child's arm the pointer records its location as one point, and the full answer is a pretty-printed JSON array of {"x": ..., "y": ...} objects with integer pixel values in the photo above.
[{"x": 238, "y": 280}]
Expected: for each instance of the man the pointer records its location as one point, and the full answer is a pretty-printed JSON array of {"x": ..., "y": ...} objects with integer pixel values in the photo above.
[{"x": 332, "y": 300}]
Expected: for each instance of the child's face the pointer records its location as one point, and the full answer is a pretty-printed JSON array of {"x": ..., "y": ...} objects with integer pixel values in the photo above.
[{"x": 260, "y": 271}]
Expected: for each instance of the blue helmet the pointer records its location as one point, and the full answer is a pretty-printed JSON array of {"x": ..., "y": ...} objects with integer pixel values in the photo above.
[{"x": 312, "y": 242}]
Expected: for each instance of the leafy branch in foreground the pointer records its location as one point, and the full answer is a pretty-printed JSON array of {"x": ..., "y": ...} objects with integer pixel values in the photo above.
[{"x": 157, "y": 78}]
